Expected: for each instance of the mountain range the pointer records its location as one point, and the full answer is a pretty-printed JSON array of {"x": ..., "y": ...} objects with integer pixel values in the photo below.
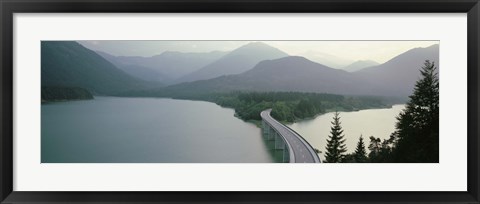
[
  {"x": 252, "y": 67},
  {"x": 360, "y": 64},
  {"x": 401, "y": 72},
  {"x": 327, "y": 59},
  {"x": 396, "y": 77},
  {"x": 291, "y": 73},
  {"x": 69, "y": 64},
  {"x": 165, "y": 67},
  {"x": 236, "y": 61}
]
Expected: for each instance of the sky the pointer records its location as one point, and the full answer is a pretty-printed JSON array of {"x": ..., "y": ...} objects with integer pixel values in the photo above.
[{"x": 346, "y": 51}]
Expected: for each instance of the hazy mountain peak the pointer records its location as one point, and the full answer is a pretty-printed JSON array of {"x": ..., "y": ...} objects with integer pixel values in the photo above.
[
  {"x": 434, "y": 47},
  {"x": 167, "y": 53},
  {"x": 287, "y": 60},
  {"x": 257, "y": 47},
  {"x": 256, "y": 44},
  {"x": 290, "y": 63},
  {"x": 366, "y": 61},
  {"x": 327, "y": 59},
  {"x": 237, "y": 61},
  {"x": 400, "y": 73},
  {"x": 294, "y": 58},
  {"x": 360, "y": 64},
  {"x": 178, "y": 53}
]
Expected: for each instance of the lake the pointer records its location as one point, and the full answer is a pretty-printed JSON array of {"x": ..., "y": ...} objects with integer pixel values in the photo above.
[
  {"x": 143, "y": 130},
  {"x": 379, "y": 123},
  {"x": 160, "y": 130}
]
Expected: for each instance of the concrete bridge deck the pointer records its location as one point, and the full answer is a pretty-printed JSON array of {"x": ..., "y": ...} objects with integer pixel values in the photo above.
[{"x": 299, "y": 149}]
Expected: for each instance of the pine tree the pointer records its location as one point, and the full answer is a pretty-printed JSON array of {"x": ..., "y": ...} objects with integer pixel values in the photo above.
[
  {"x": 335, "y": 142},
  {"x": 360, "y": 154},
  {"x": 380, "y": 151},
  {"x": 417, "y": 128},
  {"x": 375, "y": 149}
]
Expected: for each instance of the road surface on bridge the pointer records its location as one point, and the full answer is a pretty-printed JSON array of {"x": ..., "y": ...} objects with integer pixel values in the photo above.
[{"x": 302, "y": 151}]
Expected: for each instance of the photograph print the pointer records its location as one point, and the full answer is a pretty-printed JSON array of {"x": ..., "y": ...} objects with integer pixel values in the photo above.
[{"x": 239, "y": 101}]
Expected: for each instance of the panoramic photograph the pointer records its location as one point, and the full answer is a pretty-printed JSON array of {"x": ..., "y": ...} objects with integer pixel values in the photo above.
[{"x": 135, "y": 101}]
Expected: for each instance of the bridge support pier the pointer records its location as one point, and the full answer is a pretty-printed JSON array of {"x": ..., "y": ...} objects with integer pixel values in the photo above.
[
  {"x": 265, "y": 128},
  {"x": 285, "y": 156},
  {"x": 285, "y": 143},
  {"x": 279, "y": 143},
  {"x": 271, "y": 134}
]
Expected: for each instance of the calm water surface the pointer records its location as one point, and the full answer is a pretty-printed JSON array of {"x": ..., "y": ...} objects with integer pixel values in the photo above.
[
  {"x": 373, "y": 122},
  {"x": 137, "y": 130}
]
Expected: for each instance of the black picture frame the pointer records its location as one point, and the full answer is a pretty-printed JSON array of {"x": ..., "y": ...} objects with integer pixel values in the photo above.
[{"x": 10, "y": 7}]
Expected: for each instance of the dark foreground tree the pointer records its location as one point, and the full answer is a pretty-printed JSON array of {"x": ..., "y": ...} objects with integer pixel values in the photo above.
[
  {"x": 335, "y": 142},
  {"x": 360, "y": 153},
  {"x": 375, "y": 149},
  {"x": 380, "y": 152},
  {"x": 416, "y": 136},
  {"x": 349, "y": 158}
]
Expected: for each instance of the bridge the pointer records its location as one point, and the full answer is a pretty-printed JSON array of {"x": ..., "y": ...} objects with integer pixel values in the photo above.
[{"x": 295, "y": 148}]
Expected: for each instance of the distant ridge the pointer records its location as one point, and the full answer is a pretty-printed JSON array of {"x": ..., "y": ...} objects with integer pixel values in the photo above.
[
  {"x": 400, "y": 73},
  {"x": 252, "y": 67},
  {"x": 235, "y": 62},
  {"x": 284, "y": 74},
  {"x": 327, "y": 59},
  {"x": 360, "y": 64},
  {"x": 393, "y": 78},
  {"x": 69, "y": 64},
  {"x": 165, "y": 67}
]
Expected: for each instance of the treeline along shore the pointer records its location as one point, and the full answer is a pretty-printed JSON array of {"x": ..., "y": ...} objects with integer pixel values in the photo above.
[
  {"x": 286, "y": 106},
  {"x": 57, "y": 93}
]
